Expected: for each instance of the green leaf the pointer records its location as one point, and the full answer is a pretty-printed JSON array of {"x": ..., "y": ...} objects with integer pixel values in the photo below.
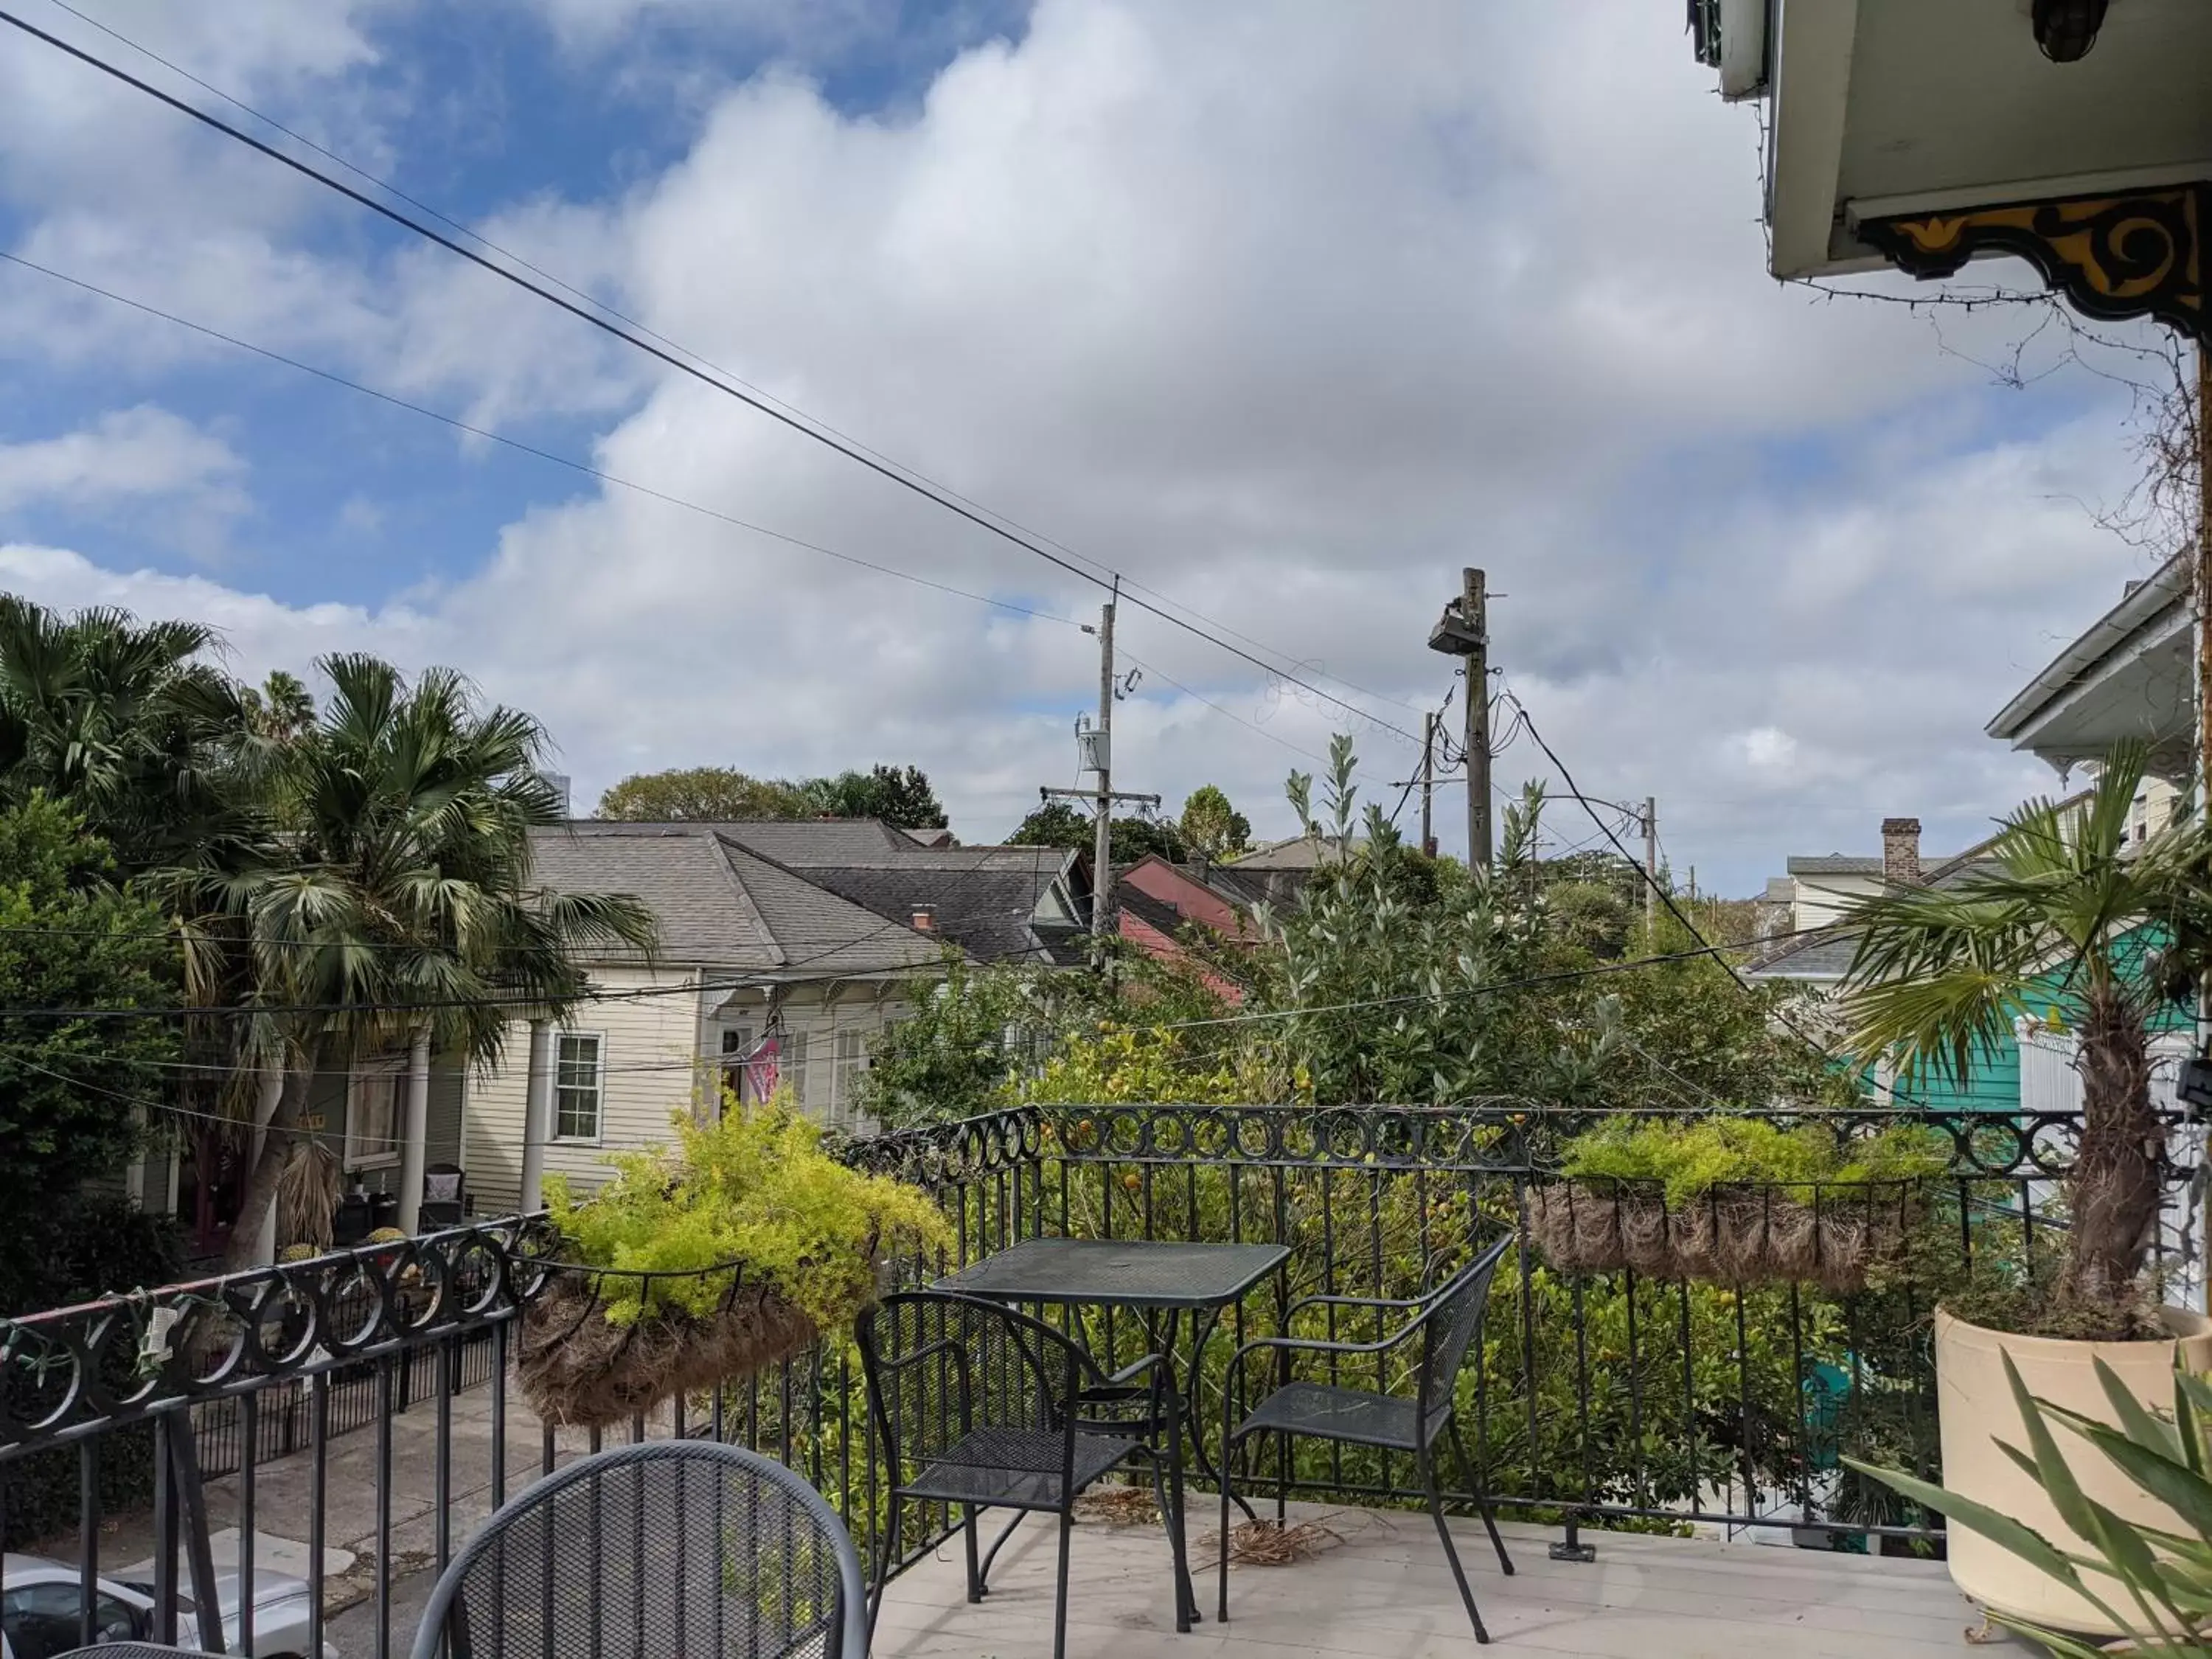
[
  {"x": 2187, "y": 1493},
  {"x": 2057, "y": 1479},
  {"x": 2134, "y": 1418},
  {"x": 2031, "y": 1546}
]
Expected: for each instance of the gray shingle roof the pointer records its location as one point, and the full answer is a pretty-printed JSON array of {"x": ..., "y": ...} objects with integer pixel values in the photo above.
[
  {"x": 997, "y": 904},
  {"x": 722, "y": 904}
]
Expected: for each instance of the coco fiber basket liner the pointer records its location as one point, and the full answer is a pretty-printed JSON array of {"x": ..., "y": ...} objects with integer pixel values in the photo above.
[
  {"x": 578, "y": 1368},
  {"x": 1758, "y": 1234}
]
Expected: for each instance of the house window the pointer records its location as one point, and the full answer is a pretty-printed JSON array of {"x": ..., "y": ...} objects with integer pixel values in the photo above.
[
  {"x": 579, "y": 1082},
  {"x": 795, "y": 1047},
  {"x": 372, "y": 1137},
  {"x": 852, "y": 1061}
]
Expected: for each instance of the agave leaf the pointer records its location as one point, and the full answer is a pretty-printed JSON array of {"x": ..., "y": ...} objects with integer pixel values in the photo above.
[
  {"x": 2057, "y": 1479},
  {"x": 2188, "y": 1494},
  {"x": 2023, "y": 1541},
  {"x": 2133, "y": 1564},
  {"x": 2135, "y": 1418},
  {"x": 2185, "y": 1427}
]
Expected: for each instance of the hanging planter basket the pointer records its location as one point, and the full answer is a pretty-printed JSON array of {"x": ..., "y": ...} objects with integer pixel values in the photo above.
[
  {"x": 578, "y": 1367},
  {"x": 1762, "y": 1233}
]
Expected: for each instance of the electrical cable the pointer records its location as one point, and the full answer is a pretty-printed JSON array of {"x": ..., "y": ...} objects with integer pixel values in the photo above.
[
  {"x": 889, "y": 471},
  {"x": 645, "y": 329},
  {"x": 516, "y": 444}
]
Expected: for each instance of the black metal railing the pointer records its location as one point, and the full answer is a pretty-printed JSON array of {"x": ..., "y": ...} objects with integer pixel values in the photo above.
[{"x": 1598, "y": 1398}]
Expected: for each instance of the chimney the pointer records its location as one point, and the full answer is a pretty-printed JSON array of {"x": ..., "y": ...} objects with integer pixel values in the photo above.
[
  {"x": 1901, "y": 851},
  {"x": 925, "y": 918}
]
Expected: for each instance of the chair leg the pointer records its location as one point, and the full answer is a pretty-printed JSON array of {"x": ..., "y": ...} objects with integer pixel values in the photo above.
[
  {"x": 1228, "y": 1449},
  {"x": 884, "y": 1559},
  {"x": 1482, "y": 1499},
  {"x": 1451, "y": 1553},
  {"x": 975, "y": 1567},
  {"x": 1059, "y": 1590}
]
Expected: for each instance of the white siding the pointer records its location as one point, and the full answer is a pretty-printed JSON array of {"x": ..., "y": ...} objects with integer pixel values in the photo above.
[
  {"x": 649, "y": 1051},
  {"x": 658, "y": 1061}
]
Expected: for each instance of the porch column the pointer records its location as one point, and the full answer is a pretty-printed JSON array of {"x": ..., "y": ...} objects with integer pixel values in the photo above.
[
  {"x": 536, "y": 1115},
  {"x": 414, "y": 1137}
]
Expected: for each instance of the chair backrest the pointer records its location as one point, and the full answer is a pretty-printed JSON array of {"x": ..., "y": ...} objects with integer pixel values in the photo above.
[
  {"x": 1452, "y": 1324},
  {"x": 941, "y": 1366},
  {"x": 668, "y": 1548}
]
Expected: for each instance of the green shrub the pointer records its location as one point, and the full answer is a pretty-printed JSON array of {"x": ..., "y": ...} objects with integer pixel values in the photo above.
[
  {"x": 755, "y": 1188},
  {"x": 1689, "y": 1159}
]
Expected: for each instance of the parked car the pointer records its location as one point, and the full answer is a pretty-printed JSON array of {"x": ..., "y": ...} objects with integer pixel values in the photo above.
[{"x": 39, "y": 1606}]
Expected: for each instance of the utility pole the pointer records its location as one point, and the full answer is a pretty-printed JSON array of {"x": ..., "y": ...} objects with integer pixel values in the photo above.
[
  {"x": 1102, "y": 878},
  {"x": 1428, "y": 784},
  {"x": 1474, "y": 611},
  {"x": 1463, "y": 631},
  {"x": 1650, "y": 861}
]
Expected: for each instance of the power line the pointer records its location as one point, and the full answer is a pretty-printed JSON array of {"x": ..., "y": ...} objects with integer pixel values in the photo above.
[
  {"x": 1674, "y": 910},
  {"x": 645, "y": 329},
  {"x": 558, "y": 460},
  {"x": 806, "y": 426}
]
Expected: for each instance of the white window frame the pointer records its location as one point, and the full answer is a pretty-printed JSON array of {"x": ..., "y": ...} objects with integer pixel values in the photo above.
[
  {"x": 846, "y": 1069},
  {"x": 794, "y": 1043},
  {"x": 391, "y": 1070},
  {"x": 599, "y": 1040}
]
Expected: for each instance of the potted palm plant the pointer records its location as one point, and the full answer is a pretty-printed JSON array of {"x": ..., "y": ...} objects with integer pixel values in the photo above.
[{"x": 2065, "y": 919}]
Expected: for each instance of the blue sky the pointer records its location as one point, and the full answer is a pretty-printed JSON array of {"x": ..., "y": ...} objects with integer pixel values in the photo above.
[{"x": 1285, "y": 312}]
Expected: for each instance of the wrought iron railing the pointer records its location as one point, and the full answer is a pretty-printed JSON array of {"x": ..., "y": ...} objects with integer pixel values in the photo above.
[{"x": 1600, "y": 1399}]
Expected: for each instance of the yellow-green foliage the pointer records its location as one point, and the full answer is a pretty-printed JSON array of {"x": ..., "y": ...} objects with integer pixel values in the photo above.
[
  {"x": 1124, "y": 1063},
  {"x": 754, "y": 1190},
  {"x": 1690, "y": 1158}
]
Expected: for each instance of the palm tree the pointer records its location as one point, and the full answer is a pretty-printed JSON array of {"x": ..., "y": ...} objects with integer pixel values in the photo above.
[
  {"x": 127, "y": 722},
  {"x": 2068, "y": 917},
  {"x": 394, "y": 904}
]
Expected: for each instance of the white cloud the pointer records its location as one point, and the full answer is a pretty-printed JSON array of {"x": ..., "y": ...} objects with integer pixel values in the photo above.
[
  {"x": 1288, "y": 311},
  {"x": 126, "y": 462}
]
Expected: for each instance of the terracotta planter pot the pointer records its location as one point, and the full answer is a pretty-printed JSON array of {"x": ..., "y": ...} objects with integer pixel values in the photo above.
[{"x": 1975, "y": 1410}]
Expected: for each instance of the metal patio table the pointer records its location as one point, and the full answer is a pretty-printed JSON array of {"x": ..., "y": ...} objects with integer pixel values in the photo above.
[{"x": 1163, "y": 1281}]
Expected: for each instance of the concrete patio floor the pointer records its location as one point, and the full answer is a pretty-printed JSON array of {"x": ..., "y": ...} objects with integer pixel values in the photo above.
[{"x": 1385, "y": 1593}]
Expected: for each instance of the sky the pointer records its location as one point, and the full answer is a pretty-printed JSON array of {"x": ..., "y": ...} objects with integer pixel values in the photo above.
[{"x": 1284, "y": 312}]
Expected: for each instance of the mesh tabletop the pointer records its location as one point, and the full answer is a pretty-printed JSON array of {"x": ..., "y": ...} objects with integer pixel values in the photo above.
[{"x": 1107, "y": 1273}]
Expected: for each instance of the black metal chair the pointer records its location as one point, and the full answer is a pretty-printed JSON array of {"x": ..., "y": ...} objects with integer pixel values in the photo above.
[
  {"x": 981, "y": 1406},
  {"x": 445, "y": 1198},
  {"x": 655, "y": 1551},
  {"x": 1448, "y": 1322},
  {"x": 134, "y": 1650}
]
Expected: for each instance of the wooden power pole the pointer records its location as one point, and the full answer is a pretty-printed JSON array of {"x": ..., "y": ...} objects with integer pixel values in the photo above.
[
  {"x": 1474, "y": 612},
  {"x": 1463, "y": 631},
  {"x": 1102, "y": 853},
  {"x": 1650, "y": 862},
  {"x": 1428, "y": 784}
]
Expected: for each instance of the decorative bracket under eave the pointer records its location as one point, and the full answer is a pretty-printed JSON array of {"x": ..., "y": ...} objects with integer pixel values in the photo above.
[{"x": 2112, "y": 256}]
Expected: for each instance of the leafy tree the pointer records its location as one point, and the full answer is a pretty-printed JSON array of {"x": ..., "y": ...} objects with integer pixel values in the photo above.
[
  {"x": 704, "y": 794},
  {"x": 1057, "y": 823},
  {"x": 898, "y": 796},
  {"x": 396, "y": 899},
  {"x": 1212, "y": 827},
  {"x": 958, "y": 1050},
  {"x": 69, "y": 938},
  {"x": 2070, "y": 919}
]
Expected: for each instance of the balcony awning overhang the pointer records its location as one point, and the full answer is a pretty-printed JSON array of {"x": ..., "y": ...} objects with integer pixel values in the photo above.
[
  {"x": 1924, "y": 133},
  {"x": 2129, "y": 675}
]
